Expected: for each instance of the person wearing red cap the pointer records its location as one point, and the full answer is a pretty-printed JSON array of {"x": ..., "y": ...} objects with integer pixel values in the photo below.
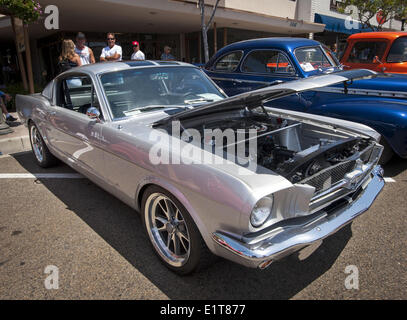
[{"x": 137, "y": 53}]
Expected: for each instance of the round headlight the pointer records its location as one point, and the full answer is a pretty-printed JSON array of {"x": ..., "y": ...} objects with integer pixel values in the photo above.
[{"x": 261, "y": 211}]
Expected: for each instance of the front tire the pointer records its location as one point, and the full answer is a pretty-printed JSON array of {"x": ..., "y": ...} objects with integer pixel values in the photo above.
[
  {"x": 173, "y": 234},
  {"x": 42, "y": 155}
]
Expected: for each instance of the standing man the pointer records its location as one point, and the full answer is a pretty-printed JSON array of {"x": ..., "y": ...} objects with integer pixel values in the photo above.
[
  {"x": 85, "y": 53},
  {"x": 137, "y": 53},
  {"x": 167, "y": 54},
  {"x": 112, "y": 52}
]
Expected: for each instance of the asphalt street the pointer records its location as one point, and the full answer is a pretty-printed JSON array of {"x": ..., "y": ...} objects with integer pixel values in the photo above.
[{"x": 101, "y": 251}]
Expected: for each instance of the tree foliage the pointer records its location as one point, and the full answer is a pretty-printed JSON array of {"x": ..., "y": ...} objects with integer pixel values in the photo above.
[
  {"x": 26, "y": 10},
  {"x": 401, "y": 10},
  {"x": 367, "y": 9}
]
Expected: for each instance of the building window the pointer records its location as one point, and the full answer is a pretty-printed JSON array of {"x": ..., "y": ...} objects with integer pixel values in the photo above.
[{"x": 335, "y": 5}]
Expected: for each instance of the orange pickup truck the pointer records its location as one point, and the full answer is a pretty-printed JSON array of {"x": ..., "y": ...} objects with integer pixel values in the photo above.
[{"x": 378, "y": 51}]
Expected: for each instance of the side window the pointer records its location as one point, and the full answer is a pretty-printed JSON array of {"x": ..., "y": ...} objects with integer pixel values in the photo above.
[
  {"x": 365, "y": 51},
  {"x": 229, "y": 62},
  {"x": 267, "y": 61},
  {"x": 77, "y": 93},
  {"x": 398, "y": 51}
]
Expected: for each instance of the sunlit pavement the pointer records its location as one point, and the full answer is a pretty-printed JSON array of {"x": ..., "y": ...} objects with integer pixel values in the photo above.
[{"x": 57, "y": 218}]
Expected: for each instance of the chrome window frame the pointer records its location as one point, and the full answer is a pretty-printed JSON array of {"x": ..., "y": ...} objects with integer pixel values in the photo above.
[
  {"x": 57, "y": 82},
  {"x": 294, "y": 73},
  {"x": 212, "y": 69},
  {"x": 106, "y": 100},
  {"x": 316, "y": 46}
]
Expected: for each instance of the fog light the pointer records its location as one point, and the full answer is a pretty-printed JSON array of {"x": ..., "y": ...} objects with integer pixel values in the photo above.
[{"x": 261, "y": 211}]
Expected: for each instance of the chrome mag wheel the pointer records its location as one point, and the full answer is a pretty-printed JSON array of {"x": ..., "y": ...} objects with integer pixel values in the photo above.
[
  {"x": 37, "y": 144},
  {"x": 167, "y": 229}
]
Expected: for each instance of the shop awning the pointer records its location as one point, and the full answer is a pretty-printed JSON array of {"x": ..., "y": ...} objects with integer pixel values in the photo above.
[{"x": 338, "y": 25}]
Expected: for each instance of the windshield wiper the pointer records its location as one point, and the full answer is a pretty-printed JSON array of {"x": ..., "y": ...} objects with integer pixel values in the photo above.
[
  {"x": 198, "y": 100},
  {"x": 152, "y": 107}
]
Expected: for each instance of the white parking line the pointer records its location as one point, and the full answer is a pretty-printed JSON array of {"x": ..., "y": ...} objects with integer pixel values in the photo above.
[
  {"x": 41, "y": 176},
  {"x": 386, "y": 179}
]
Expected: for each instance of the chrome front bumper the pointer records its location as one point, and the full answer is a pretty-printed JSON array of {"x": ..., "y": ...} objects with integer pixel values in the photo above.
[{"x": 288, "y": 240}]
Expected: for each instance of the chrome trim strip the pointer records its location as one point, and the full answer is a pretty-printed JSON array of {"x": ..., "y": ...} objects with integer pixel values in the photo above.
[
  {"x": 239, "y": 80},
  {"x": 364, "y": 92}
]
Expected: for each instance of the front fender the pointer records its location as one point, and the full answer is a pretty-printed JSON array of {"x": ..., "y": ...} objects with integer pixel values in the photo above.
[{"x": 386, "y": 116}]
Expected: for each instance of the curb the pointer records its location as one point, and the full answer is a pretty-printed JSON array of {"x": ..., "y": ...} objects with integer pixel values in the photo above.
[{"x": 13, "y": 145}]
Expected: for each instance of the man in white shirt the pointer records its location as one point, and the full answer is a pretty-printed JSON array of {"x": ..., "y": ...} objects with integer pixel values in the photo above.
[
  {"x": 112, "y": 52},
  {"x": 137, "y": 53},
  {"x": 85, "y": 53}
]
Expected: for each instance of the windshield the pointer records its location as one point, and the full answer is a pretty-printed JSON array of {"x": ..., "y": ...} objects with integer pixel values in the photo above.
[
  {"x": 398, "y": 51},
  {"x": 131, "y": 92},
  {"x": 313, "y": 58}
]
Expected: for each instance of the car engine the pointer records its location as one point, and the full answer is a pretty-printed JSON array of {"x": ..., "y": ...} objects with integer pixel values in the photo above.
[{"x": 302, "y": 152}]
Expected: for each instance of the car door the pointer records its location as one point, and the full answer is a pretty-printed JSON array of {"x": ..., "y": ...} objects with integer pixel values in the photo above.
[
  {"x": 267, "y": 67},
  {"x": 74, "y": 135}
]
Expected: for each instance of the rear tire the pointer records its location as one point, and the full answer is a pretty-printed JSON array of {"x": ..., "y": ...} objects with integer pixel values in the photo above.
[
  {"x": 388, "y": 152},
  {"x": 42, "y": 155},
  {"x": 172, "y": 232}
]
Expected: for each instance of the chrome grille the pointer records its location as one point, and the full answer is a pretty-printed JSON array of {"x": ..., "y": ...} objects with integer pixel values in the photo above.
[{"x": 326, "y": 178}]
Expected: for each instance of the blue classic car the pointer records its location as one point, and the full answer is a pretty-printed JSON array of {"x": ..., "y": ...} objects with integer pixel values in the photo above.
[{"x": 379, "y": 102}]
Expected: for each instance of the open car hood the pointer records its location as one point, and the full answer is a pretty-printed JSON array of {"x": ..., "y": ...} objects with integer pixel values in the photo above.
[{"x": 255, "y": 98}]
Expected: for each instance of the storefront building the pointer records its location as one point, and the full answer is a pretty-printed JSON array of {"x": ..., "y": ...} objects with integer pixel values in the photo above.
[{"x": 155, "y": 23}]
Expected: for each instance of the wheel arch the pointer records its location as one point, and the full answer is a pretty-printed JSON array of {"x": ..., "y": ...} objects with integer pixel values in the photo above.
[{"x": 179, "y": 195}]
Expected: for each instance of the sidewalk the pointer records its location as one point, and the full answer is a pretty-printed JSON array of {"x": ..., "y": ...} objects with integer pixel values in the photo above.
[{"x": 16, "y": 141}]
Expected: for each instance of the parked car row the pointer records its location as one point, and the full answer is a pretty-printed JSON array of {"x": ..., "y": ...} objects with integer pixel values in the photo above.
[{"x": 379, "y": 103}]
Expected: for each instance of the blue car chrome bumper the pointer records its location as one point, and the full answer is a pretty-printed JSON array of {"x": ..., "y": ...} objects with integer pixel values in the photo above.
[{"x": 262, "y": 253}]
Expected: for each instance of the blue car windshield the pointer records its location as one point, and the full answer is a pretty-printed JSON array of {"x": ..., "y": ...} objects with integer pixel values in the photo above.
[
  {"x": 313, "y": 58},
  {"x": 134, "y": 91}
]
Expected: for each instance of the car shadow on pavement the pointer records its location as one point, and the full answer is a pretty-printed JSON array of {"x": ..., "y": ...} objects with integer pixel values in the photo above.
[
  {"x": 395, "y": 166},
  {"x": 121, "y": 227}
]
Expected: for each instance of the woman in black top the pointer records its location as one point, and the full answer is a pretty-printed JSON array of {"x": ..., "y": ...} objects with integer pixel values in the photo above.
[{"x": 68, "y": 58}]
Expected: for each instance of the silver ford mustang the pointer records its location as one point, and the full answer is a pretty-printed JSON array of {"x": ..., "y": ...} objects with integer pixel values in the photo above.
[{"x": 208, "y": 173}]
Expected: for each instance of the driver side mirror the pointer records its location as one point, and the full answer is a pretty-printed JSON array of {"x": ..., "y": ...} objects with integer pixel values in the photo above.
[{"x": 93, "y": 113}]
